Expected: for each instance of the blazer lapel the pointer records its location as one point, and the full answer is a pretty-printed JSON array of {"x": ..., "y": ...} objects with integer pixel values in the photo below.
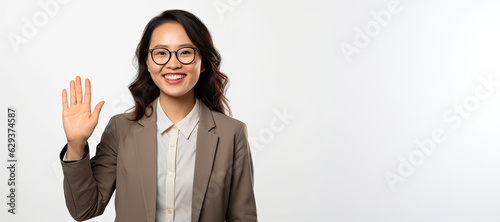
[
  {"x": 146, "y": 145},
  {"x": 206, "y": 146}
]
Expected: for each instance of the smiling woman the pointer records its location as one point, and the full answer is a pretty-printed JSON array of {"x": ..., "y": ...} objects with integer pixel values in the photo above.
[
  {"x": 177, "y": 156},
  {"x": 177, "y": 78}
]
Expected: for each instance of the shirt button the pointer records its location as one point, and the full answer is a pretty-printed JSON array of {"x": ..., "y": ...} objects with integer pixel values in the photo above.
[
  {"x": 172, "y": 145},
  {"x": 169, "y": 211},
  {"x": 170, "y": 173}
]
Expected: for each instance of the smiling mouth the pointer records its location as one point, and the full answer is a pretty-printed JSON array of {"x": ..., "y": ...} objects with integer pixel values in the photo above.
[{"x": 174, "y": 76}]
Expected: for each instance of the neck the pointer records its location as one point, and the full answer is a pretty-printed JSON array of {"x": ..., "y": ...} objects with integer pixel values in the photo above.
[{"x": 176, "y": 108}]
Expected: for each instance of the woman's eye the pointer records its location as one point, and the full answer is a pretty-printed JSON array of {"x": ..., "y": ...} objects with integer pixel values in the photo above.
[
  {"x": 187, "y": 52},
  {"x": 160, "y": 53}
]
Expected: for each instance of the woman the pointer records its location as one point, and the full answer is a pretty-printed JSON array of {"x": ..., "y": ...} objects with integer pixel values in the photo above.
[{"x": 177, "y": 156}]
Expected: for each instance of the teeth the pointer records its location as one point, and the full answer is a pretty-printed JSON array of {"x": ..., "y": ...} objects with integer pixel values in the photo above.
[{"x": 173, "y": 77}]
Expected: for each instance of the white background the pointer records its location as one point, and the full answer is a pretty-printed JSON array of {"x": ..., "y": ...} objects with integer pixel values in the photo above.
[{"x": 352, "y": 118}]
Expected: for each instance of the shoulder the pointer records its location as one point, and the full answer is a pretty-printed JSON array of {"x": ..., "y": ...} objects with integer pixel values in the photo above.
[
  {"x": 121, "y": 121},
  {"x": 122, "y": 118},
  {"x": 223, "y": 119},
  {"x": 228, "y": 125}
]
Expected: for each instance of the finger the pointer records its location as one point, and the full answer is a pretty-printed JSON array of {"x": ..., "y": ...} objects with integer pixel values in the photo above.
[
  {"x": 64, "y": 99},
  {"x": 72, "y": 96},
  {"x": 97, "y": 110},
  {"x": 87, "y": 92},
  {"x": 78, "y": 90}
]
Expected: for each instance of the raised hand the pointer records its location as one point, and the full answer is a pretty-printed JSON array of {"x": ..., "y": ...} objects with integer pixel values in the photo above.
[{"x": 78, "y": 121}]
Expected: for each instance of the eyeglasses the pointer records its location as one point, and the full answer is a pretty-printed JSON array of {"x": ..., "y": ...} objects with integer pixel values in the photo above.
[{"x": 185, "y": 55}]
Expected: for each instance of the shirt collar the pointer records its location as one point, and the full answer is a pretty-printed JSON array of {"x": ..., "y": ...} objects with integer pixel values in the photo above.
[{"x": 186, "y": 125}]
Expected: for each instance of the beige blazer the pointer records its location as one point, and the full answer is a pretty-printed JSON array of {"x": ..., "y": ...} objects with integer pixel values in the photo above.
[{"x": 125, "y": 160}]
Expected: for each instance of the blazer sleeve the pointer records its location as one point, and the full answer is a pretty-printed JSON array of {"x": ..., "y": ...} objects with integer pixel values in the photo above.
[
  {"x": 242, "y": 205},
  {"x": 89, "y": 183}
]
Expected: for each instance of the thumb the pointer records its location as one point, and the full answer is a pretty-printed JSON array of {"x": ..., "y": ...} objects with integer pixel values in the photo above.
[{"x": 97, "y": 110}]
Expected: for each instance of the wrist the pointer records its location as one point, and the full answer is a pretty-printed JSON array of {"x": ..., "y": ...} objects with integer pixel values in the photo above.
[{"x": 75, "y": 150}]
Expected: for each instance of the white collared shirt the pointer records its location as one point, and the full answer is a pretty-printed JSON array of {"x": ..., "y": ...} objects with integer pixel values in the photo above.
[{"x": 175, "y": 165}]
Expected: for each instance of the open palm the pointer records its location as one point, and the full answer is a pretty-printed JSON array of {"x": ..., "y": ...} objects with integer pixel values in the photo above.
[{"x": 78, "y": 121}]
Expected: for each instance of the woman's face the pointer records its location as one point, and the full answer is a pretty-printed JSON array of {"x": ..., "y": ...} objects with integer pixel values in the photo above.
[{"x": 174, "y": 79}]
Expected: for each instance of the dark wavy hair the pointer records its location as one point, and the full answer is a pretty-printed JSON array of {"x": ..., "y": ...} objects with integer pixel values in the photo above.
[{"x": 211, "y": 85}]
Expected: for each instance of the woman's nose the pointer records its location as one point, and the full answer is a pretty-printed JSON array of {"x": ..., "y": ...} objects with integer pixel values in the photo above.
[{"x": 173, "y": 63}]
